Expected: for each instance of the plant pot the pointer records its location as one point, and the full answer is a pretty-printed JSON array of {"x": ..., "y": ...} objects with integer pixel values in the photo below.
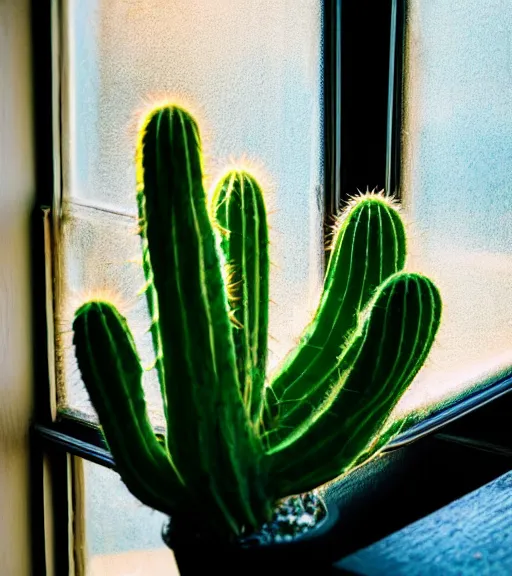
[{"x": 310, "y": 553}]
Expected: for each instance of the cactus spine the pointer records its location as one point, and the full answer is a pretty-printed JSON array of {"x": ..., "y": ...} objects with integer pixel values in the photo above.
[{"x": 234, "y": 445}]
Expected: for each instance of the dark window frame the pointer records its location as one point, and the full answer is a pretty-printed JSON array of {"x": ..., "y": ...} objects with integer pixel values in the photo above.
[{"x": 362, "y": 95}]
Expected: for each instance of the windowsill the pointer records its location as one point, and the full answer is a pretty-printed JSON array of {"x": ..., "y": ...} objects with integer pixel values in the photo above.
[
  {"x": 407, "y": 485},
  {"x": 472, "y": 535},
  {"x": 136, "y": 563}
]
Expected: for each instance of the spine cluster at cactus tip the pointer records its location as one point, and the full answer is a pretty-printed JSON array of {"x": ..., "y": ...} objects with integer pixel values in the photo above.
[{"x": 237, "y": 440}]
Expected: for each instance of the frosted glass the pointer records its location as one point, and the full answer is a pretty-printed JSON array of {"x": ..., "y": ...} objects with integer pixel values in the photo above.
[
  {"x": 252, "y": 73},
  {"x": 457, "y": 189},
  {"x": 101, "y": 256},
  {"x": 250, "y": 69},
  {"x": 122, "y": 535}
]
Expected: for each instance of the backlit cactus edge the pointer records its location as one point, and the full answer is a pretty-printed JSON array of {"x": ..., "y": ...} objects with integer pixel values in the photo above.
[{"x": 235, "y": 443}]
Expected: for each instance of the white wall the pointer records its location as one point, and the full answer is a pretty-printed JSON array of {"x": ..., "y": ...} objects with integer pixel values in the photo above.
[{"x": 16, "y": 197}]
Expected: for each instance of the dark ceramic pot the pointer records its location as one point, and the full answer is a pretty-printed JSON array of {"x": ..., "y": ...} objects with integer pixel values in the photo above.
[{"x": 310, "y": 554}]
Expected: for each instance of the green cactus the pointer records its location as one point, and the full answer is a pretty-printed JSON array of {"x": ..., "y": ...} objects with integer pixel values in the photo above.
[{"x": 235, "y": 443}]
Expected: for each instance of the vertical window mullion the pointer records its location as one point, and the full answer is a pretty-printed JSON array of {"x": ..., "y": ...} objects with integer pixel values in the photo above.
[
  {"x": 332, "y": 114},
  {"x": 394, "y": 118},
  {"x": 50, "y": 467},
  {"x": 362, "y": 100},
  {"x": 364, "y": 78}
]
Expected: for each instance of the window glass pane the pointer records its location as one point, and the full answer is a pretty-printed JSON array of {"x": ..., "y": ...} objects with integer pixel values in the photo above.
[
  {"x": 101, "y": 258},
  {"x": 252, "y": 73},
  {"x": 122, "y": 535},
  {"x": 457, "y": 190}
]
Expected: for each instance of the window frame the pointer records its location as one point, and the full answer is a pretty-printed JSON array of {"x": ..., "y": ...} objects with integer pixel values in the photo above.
[{"x": 464, "y": 431}]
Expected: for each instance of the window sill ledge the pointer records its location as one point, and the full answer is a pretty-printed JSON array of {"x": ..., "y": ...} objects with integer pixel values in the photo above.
[{"x": 472, "y": 535}]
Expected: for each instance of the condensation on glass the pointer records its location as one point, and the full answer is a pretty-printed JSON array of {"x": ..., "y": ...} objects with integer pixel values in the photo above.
[
  {"x": 457, "y": 186},
  {"x": 251, "y": 72},
  {"x": 122, "y": 536}
]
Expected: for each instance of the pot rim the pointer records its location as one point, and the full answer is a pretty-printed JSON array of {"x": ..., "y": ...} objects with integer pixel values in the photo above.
[
  {"x": 320, "y": 529},
  {"x": 316, "y": 534}
]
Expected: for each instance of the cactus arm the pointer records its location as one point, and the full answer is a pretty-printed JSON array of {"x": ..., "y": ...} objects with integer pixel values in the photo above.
[
  {"x": 239, "y": 210},
  {"x": 369, "y": 247},
  {"x": 111, "y": 371},
  {"x": 392, "y": 346},
  {"x": 208, "y": 433}
]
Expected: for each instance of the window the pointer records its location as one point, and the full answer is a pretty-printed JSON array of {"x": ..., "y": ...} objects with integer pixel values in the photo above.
[
  {"x": 420, "y": 111},
  {"x": 257, "y": 89}
]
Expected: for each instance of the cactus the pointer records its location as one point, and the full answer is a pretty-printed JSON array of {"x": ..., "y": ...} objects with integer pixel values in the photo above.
[{"x": 235, "y": 444}]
